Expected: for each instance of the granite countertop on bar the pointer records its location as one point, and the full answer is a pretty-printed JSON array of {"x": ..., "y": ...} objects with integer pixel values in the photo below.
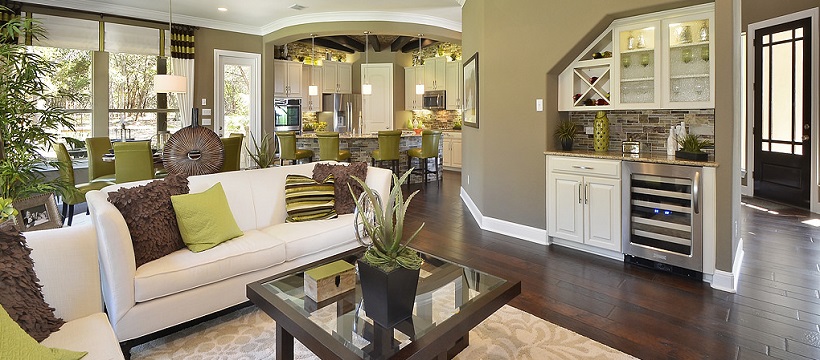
[
  {"x": 659, "y": 158},
  {"x": 373, "y": 135}
]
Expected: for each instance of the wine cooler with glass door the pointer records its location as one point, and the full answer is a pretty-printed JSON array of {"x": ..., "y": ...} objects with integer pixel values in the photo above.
[{"x": 662, "y": 223}]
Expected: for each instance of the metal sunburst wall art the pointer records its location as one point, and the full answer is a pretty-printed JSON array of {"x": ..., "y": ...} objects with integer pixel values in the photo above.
[{"x": 193, "y": 150}]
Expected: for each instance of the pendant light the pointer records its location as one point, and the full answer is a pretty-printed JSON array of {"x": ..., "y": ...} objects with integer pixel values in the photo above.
[
  {"x": 313, "y": 90},
  {"x": 420, "y": 87},
  {"x": 367, "y": 89},
  {"x": 166, "y": 83}
]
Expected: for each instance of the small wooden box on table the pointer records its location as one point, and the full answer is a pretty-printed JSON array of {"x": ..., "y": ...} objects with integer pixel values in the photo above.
[{"x": 329, "y": 280}]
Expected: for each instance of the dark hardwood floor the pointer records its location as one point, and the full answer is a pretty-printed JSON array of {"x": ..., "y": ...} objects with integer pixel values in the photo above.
[{"x": 646, "y": 313}]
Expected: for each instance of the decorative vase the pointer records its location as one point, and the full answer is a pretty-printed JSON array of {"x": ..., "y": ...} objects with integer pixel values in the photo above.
[
  {"x": 601, "y": 140},
  {"x": 566, "y": 144},
  {"x": 388, "y": 297}
]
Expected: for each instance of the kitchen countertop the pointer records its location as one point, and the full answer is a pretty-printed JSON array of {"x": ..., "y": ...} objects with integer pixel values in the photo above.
[
  {"x": 659, "y": 158},
  {"x": 312, "y": 135}
]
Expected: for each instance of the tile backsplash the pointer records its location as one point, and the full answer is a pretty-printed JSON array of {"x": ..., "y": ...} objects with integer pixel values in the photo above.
[{"x": 649, "y": 127}]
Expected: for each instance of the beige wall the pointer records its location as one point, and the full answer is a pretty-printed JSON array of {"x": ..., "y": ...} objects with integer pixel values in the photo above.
[
  {"x": 208, "y": 40},
  {"x": 758, "y": 10}
]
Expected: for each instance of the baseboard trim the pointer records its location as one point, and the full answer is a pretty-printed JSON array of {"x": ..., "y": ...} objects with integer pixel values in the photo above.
[
  {"x": 503, "y": 227},
  {"x": 727, "y": 281}
]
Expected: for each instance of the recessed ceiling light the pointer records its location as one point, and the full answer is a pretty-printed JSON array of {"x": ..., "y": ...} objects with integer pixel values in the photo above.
[
  {"x": 222, "y": 9},
  {"x": 297, "y": 7}
]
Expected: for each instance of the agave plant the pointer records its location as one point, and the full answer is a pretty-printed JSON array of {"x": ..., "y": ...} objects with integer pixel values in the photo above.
[
  {"x": 389, "y": 250},
  {"x": 263, "y": 154}
]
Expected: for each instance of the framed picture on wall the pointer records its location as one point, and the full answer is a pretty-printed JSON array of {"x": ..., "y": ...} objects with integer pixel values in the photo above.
[
  {"x": 470, "y": 113},
  {"x": 37, "y": 212}
]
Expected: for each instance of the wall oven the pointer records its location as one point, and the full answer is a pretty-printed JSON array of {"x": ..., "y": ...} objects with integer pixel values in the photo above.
[
  {"x": 288, "y": 114},
  {"x": 662, "y": 222}
]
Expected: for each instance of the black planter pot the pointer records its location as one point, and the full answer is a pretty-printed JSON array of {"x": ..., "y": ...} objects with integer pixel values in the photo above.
[
  {"x": 566, "y": 145},
  {"x": 702, "y": 156},
  {"x": 388, "y": 297}
]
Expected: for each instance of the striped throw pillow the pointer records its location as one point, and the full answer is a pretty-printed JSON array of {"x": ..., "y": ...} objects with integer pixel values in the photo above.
[{"x": 307, "y": 199}]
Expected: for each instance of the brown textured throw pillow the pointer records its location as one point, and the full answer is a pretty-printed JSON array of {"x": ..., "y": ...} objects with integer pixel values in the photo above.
[
  {"x": 20, "y": 291},
  {"x": 345, "y": 204},
  {"x": 150, "y": 216}
]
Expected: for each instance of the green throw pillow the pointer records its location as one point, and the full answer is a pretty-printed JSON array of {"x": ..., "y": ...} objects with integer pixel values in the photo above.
[
  {"x": 205, "y": 219},
  {"x": 16, "y": 344},
  {"x": 307, "y": 199}
]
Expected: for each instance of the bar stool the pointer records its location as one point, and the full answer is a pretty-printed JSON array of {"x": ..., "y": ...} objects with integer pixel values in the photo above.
[
  {"x": 288, "y": 150},
  {"x": 430, "y": 140},
  {"x": 388, "y": 149},
  {"x": 329, "y": 147},
  {"x": 99, "y": 170}
]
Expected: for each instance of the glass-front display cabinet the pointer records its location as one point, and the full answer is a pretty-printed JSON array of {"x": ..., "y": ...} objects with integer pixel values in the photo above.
[
  {"x": 638, "y": 65},
  {"x": 689, "y": 70}
]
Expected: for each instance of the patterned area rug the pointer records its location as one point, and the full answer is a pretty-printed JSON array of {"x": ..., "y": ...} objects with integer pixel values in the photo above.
[{"x": 250, "y": 334}]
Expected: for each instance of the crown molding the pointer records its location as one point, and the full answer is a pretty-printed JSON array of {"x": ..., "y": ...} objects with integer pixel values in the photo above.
[
  {"x": 343, "y": 16},
  {"x": 340, "y": 16}
]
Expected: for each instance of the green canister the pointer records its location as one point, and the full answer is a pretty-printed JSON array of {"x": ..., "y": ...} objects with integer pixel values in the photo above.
[{"x": 601, "y": 141}]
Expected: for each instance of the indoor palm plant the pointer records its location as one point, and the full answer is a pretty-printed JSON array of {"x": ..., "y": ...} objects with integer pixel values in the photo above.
[
  {"x": 691, "y": 147},
  {"x": 29, "y": 114},
  {"x": 565, "y": 134},
  {"x": 389, "y": 269}
]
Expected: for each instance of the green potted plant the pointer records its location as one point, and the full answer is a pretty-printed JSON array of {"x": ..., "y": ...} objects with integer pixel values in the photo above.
[
  {"x": 565, "y": 134},
  {"x": 29, "y": 114},
  {"x": 263, "y": 154},
  {"x": 389, "y": 269},
  {"x": 692, "y": 148}
]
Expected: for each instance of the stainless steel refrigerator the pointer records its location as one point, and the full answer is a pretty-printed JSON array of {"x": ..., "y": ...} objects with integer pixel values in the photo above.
[{"x": 345, "y": 109}]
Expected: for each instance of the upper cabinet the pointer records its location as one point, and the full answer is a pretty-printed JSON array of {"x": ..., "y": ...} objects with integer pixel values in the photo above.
[
  {"x": 434, "y": 73},
  {"x": 287, "y": 78},
  {"x": 413, "y": 75},
  {"x": 454, "y": 85},
  {"x": 337, "y": 77},
  {"x": 654, "y": 61},
  {"x": 311, "y": 75}
]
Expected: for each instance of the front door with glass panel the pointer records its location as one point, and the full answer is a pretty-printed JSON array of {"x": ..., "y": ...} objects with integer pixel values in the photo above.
[
  {"x": 238, "y": 91},
  {"x": 782, "y": 112}
]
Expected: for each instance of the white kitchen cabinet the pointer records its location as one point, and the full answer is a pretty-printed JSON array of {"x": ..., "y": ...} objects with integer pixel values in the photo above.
[
  {"x": 434, "y": 73},
  {"x": 454, "y": 84},
  {"x": 451, "y": 150},
  {"x": 311, "y": 103},
  {"x": 412, "y": 75},
  {"x": 287, "y": 79},
  {"x": 584, "y": 202},
  {"x": 337, "y": 77},
  {"x": 377, "y": 108},
  {"x": 659, "y": 61}
]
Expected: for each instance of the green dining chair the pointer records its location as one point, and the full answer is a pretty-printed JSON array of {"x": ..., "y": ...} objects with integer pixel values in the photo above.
[
  {"x": 430, "y": 142},
  {"x": 99, "y": 170},
  {"x": 288, "y": 150},
  {"x": 133, "y": 161},
  {"x": 72, "y": 194},
  {"x": 388, "y": 149},
  {"x": 232, "y": 151},
  {"x": 329, "y": 147}
]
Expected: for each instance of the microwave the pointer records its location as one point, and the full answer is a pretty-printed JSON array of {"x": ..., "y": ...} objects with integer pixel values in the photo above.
[{"x": 434, "y": 100}]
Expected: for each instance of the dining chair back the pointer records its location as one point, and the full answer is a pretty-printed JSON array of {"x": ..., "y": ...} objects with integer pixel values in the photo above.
[
  {"x": 72, "y": 193},
  {"x": 133, "y": 161},
  {"x": 233, "y": 151},
  {"x": 329, "y": 147},
  {"x": 288, "y": 150},
  {"x": 99, "y": 170}
]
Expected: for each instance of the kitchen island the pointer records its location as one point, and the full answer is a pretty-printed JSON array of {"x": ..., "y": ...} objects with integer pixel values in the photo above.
[{"x": 362, "y": 145}]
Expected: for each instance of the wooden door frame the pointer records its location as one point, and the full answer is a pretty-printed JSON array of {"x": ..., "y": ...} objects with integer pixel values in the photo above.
[{"x": 814, "y": 14}]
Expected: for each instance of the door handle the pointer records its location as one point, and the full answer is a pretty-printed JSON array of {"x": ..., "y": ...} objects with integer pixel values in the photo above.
[
  {"x": 586, "y": 195},
  {"x": 579, "y": 192}
]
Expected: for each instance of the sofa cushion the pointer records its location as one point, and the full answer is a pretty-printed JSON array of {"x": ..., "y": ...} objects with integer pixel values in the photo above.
[
  {"x": 17, "y": 344},
  {"x": 20, "y": 291},
  {"x": 92, "y": 333},
  {"x": 342, "y": 178},
  {"x": 183, "y": 270},
  {"x": 150, "y": 217},
  {"x": 307, "y": 199},
  {"x": 205, "y": 219},
  {"x": 239, "y": 191},
  {"x": 310, "y": 237}
]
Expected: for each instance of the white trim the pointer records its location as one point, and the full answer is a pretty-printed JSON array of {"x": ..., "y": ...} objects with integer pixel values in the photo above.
[
  {"x": 255, "y": 88},
  {"x": 814, "y": 14},
  {"x": 727, "y": 281},
  {"x": 503, "y": 227},
  {"x": 162, "y": 16}
]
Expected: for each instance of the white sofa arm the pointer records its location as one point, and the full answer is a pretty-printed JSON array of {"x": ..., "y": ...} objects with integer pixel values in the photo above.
[
  {"x": 65, "y": 261},
  {"x": 117, "y": 265}
]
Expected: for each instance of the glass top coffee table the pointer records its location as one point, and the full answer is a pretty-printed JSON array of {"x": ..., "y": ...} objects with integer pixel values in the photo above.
[{"x": 451, "y": 300}]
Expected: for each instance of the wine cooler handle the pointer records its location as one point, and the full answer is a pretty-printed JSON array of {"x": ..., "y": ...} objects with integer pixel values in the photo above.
[{"x": 696, "y": 192}]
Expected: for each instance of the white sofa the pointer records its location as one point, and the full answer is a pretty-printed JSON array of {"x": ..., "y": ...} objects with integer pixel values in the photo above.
[
  {"x": 65, "y": 261},
  {"x": 183, "y": 285}
]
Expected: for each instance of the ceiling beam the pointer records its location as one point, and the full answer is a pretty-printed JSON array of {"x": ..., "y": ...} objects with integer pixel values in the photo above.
[
  {"x": 399, "y": 43},
  {"x": 347, "y": 41},
  {"x": 412, "y": 46},
  {"x": 323, "y": 42},
  {"x": 375, "y": 43}
]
